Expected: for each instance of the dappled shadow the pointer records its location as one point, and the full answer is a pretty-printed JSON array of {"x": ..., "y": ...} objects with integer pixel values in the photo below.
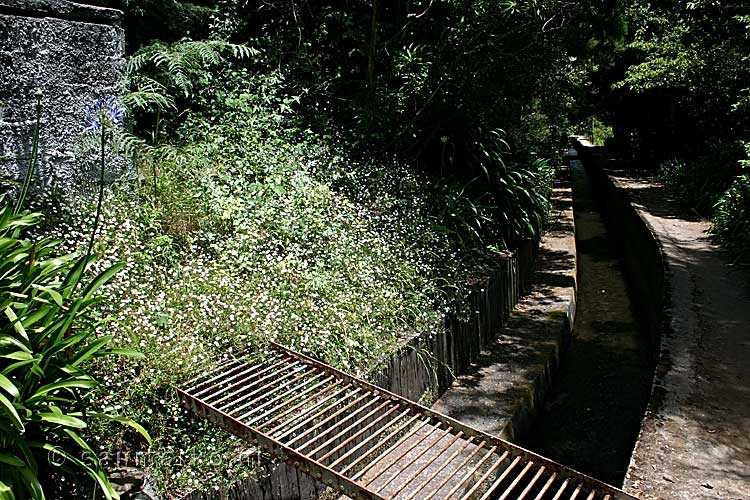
[
  {"x": 561, "y": 204},
  {"x": 700, "y": 404},
  {"x": 606, "y": 372},
  {"x": 554, "y": 260},
  {"x": 503, "y": 384}
]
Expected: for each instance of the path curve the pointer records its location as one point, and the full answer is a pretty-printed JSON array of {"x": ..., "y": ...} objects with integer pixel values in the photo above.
[{"x": 695, "y": 438}]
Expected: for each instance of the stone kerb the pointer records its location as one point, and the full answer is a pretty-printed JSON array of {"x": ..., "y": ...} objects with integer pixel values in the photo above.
[{"x": 75, "y": 54}]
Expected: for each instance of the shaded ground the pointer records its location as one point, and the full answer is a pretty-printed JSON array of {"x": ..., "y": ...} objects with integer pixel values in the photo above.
[
  {"x": 592, "y": 415},
  {"x": 695, "y": 439}
]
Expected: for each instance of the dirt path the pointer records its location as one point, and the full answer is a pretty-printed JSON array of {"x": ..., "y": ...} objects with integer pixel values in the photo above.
[{"x": 695, "y": 439}]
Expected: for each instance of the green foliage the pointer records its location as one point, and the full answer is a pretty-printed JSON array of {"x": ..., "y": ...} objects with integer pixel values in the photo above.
[
  {"x": 731, "y": 219},
  {"x": 47, "y": 340},
  {"x": 669, "y": 63},
  {"x": 731, "y": 216},
  {"x": 267, "y": 204},
  {"x": 690, "y": 59},
  {"x": 700, "y": 182},
  {"x": 180, "y": 64},
  {"x": 600, "y": 132}
]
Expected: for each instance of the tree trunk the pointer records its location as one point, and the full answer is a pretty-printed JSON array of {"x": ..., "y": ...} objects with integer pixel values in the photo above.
[{"x": 373, "y": 44}]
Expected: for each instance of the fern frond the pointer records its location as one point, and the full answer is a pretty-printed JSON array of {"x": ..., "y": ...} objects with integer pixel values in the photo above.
[
  {"x": 129, "y": 145},
  {"x": 149, "y": 94}
]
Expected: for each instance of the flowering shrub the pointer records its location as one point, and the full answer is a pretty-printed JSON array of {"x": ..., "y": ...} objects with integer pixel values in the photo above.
[{"x": 245, "y": 229}]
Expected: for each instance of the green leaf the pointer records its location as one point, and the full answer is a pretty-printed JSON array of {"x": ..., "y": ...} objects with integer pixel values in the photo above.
[
  {"x": 52, "y": 293},
  {"x": 6, "y": 493},
  {"x": 90, "y": 350},
  {"x": 126, "y": 421},
  {"x": 101, "y": 279},
  {"x": 79, "y": 383},
  {"x": 8, "y": 408},
  {"x": 9, "y": 387},
  {"x": 129, "y": 353},
  {"x": 11, "y": 460},
  {"x": 65, "y": 420},
  {"x": 17, "y": 325},
  {"x": 98, "y": 475},
  {"x": 10, "y": 341},
  {"x": 18, "y": 355}
]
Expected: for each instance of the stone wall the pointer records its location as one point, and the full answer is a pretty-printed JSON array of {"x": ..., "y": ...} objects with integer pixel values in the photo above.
[{"x": 75, "y": 54}]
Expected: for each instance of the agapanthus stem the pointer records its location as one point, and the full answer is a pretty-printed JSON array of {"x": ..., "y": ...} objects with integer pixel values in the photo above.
[
  {"x": 101, "y": 196},
  {"x": 34, "y": 154}
]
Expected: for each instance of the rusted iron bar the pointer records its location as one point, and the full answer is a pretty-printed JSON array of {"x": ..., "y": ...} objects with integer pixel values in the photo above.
[
  {"x": 512, "y": 485},
  {"x": 243, "y": 385},
  {"x": 531, "y": 483},
  {"x": 356, "y": 434},
  {"x": 263, "y": 392},
  {"x": 405, "y": 467},
  {"x": 338, "y": 424},
  {"x": 399, "y": 429},
  {"x": 317, "y": 405},
  {"x": 465, "y": 461},
  {"x": 490, "y": 470},
  {"x": 468, "y": 475},
  {"x": 546, "y": 486},
  {"x": 468, "y": 431},
  {"x": 436, "y": 474},
  {"x": 315, "y": 469},
  {"x": 285, "y": 392},
  {"x": 307, "y": 391},
  {"x": 249, "y": 371},
  {"x": 289, "y": 403},
  {"x": 328, "y": 419},
  {"x": 398, "y": 443},
  {"x": 313, "y": 416},
  {"x": 424, "y": 466},
  {"x": 562, "y": 488},
  {"x": 576, "y": 492},
  {"x": 221, "y": 374}
]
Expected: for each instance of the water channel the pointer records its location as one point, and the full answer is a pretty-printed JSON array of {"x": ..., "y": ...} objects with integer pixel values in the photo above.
[{"x": 591, "y": 417}]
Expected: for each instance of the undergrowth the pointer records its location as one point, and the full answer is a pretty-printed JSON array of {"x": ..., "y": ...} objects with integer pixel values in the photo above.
[
  {"x": 242, "y": 227},
  {"x": 717, "y": 187}
]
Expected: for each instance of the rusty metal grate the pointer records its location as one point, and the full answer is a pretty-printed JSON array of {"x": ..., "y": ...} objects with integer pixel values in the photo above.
[{"x": 369, "y": 443}]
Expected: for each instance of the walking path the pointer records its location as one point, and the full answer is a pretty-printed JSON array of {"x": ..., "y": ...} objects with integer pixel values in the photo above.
[{"x": 695, "y": 439}]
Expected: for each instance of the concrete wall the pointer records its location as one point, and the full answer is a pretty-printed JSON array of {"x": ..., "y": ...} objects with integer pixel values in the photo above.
[
  {"x": 642, "y": 256},
  {"x": 75, "y": 54}
]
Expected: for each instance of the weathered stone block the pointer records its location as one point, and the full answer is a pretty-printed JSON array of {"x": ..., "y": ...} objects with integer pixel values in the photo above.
[{"x": 75, "y": 54}]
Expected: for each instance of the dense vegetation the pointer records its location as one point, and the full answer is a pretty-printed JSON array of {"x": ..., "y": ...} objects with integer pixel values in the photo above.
[
  {"x": 332, "y": 174},
  {"x": 680, "y": 101}
]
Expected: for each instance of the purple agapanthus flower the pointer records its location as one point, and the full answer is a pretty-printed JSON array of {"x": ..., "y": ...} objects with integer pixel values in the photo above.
[{"x": 103, "y": 113}]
